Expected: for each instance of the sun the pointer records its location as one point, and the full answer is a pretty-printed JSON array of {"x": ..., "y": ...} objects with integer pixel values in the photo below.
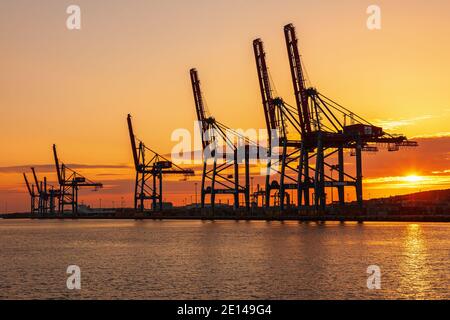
[{"x": 413, "y": 178}]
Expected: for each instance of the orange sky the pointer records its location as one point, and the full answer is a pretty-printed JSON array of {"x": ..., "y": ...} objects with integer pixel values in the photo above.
[{"x": 74, "y": 88}]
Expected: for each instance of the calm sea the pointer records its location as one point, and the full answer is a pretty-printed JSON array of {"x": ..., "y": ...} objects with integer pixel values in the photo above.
[{"x": 223, "y": 260}]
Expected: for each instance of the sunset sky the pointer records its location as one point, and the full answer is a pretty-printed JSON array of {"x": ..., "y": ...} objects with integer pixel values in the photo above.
[{"x": 75, "y": 87}]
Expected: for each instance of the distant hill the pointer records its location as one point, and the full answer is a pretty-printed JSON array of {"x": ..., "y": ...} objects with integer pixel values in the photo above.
[
  {"x": 437, "y": 200},
  {"x": 433, "y": 195}
]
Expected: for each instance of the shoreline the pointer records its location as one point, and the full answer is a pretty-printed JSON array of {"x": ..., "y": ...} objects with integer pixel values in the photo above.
[{"x": 299, "y": 218}]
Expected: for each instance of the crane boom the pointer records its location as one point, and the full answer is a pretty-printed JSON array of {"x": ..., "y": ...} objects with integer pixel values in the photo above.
[
  {"x": 264, "y": 84},
  {"x": 298, "y": 80},
  {"x": 133, "y": 142},
  {"x": 58, "y": 169},
  {"x": 199, "y": 104},
  {"x": 36, "y": 181},
  {"x": 28, "y": 185}
]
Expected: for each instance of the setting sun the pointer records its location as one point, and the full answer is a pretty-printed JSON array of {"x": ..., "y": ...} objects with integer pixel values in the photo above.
[{"x": 413, "y": 178}]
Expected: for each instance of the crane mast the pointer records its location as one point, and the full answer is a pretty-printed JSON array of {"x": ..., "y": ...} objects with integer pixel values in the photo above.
[
  {"x": 264, "y": 85},
  {"x": 199, "y": 105},
  {"x": 29, "y": 188},
  {"x": 134, "y": 149},
  {"x": 58, "y": 169},
  {"x": 298, "y": 81}
]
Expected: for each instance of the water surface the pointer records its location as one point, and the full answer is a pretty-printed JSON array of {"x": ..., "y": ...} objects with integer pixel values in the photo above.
[{"x": 223, "y": 260}]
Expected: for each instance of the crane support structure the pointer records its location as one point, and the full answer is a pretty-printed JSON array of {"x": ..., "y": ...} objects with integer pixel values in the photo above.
[
  {"x": 70, "y": 183},
  {"x": 150, "y": 168},
  {"x": 223, "y": 177}
]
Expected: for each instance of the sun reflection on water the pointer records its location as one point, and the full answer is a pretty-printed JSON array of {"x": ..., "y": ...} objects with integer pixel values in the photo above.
[{"x": 414, "y": 267}]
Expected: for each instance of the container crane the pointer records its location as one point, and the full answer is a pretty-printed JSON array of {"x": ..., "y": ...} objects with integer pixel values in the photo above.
[
  {"x": 70, "y": 182},
  {"x": 150, "y": 168},
  {"x": 215, "y": 135},
  {"x": 324, "y": 133},
  {"x": 282, "y": 124}
]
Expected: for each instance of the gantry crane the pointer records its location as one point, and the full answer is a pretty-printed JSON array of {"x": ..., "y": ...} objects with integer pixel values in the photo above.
[
  {"x": 70, "y": 182},
  {"x": 283, "y": 132},
  {"x": 324, "y": 133},
  {"x": 215, "y": 138},
  {"x": 33, "y": 196},
  {"x": 150, "y": 168}
]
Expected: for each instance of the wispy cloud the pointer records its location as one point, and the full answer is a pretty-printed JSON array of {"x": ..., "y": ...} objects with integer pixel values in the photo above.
[
  {"x": 392, "y": 124},
  {"x": 441, "y": 172},
  {"x": 444, "y": 134}
]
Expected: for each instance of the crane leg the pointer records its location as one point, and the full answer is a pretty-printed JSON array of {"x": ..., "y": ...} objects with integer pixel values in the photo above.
[
  {"x": 306, "y": 178},
  {"x": 299, "y": 178},
  {"x": 202, "y": 192},
  {"x": 283, "y": 172},
  {"x": 359, "y": 196},
  {"x": 236, "y": 180},
  {"x": 268, "y": 172},
  {"x": 341, "y": 176},
  {"x": 213, "y": 181},
  {"x": 247, "y": 177}
]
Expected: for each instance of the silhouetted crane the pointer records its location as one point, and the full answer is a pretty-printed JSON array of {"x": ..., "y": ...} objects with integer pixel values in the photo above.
[
  {"x": 70, "y": 182},
  {"x": 216, "y": 137},
  {"x": 150, "y": 168},
  {"x": 320, "y": 125}
]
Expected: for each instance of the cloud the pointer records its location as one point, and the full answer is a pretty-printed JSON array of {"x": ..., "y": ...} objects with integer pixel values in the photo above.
[
  {"x": 51, "y": 167},
  {"x": 433, "y": 135},
  {"x": 445, "y": 172},
  {"x": 392, "y": 124}
]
